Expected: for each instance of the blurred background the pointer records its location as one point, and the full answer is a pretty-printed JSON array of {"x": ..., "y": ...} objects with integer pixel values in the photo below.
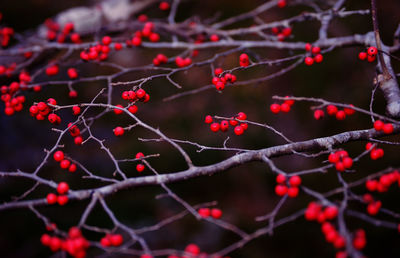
[{"x": 242, "y": 193}]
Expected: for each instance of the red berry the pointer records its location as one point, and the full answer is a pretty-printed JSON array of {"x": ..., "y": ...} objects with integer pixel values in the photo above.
[
  {"x": 224, "y": 125},
  {"x": 216, "y": 213},
  {"x": 347, "y": 162},
  {"x": 214, "y": 37},
  {"x": 293, "y": 192},
  {"x": 78, "y": 140},
  {"x": 76, "y": 110},
  {"x": 315, "y": 50},
  {"x": 281, "y": 190},
  {"x": 359, "y": 242},
  {"x": 133, "y": 109},
  {"x": 116, "y": 240},
  {"x": 372, "y": 51},
  {"x": 208, "y": 119},
  {"x": 281, "y": 3},
  {"x": 308, "y": 60},
  {"x": 339, "y": 166},
  {"x": 154, "y": 37},
  {"x": 241, "y": 116},
  {"x": 72, "y": 73},
  {"x": 106, "y": 40},
  {"x": 333, "y": 157},
  {"x": 105, "y": 241},
  {"x": 287, "y": 31},
  {"x": 378, "y": 125},
  {"x": 340, "y": 242},
  {"x": 136, "y": 41},
  {"x": 331, "y": 110},
  {"x": 73, "y": 94},
  {"x": 204, "y": 212},
  {"x": 295, "y": 181},
  {"x": 318, "y": 58},
  {"x": 371, "y": 58},
  {"x": 62, "y": 199},
  {"x": 51, "y": 198},
  {"x": 275, "y": 108},
  {"x": 62, "y": 188},
  {"x": 308, "y": 47},
  {"x": 220, "y": 85},
  {"x": 281, "y": 179},
  {"x": 193, "y": 249},
  {"x": 214, "y": 127},
  {"x": 318, "y": 114},
  {"x": 72, "y": 168},
  {"x": 55, "y": 244},
  {"x": 140, "y": 93},
  {"x": 373, "y": 208},
  {"x": 118, "y": 131},
  {"x": 140, "y": 167},
  {"x": 238, "y": 130},
  {"x": 371, "y": 185},
  {"x": 164, "y": 6},
  {"x": 45, "y": 239},
  {"x": 362, "y": 55},
  {"x": 285, "y": 107},
  {"x": 118, "y": 111},
  {"x": 64, "y": 164},
  {"x": 387, "y": 128},
  {"x": 217, "y": 71},
  {"x": 331, "y": 212},
  {"x": 58, "y": 156}
]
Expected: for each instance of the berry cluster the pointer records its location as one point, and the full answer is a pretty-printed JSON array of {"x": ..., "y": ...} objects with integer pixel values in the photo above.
[
  {"x": 146, "y": 32},
  {"x": 223, "y": 126},
  {"x": 75, "y": 243},
  {"x": 64, "y": 163},
  {"x": 370, "y": 55},
  {"x": 332, "y": 110},
  {"x": 61, "y": 36},
  {"x": 60, "y": 199},
  {"x": 314, "y": 56},
  {"x": 284, "y": 107},
  {"x": 315, "y": 212},
  {"x": 12, "y": 103},
  {"x": 219, "y": 81},
  {"x": 384, "y": 182},
  {"x": 282, "y": 32},
  {"x": 183, "y": 62},
  {"x": 139, "y": 167},
  {"x": 112, "y": 240},
  {"x": 100, "y": 51},
  {"x": 289, "y": 187},
  {"x": 160, "y": 59},
  {"x": 76, "y": 133},
  {"x": 207, "y": 212},
  {"x": 381, "y": 126},
  {"x": 5, "y": 34},
  {"x": 373, "y": 206},
  {"x": 7, "y": 70},
  {"x": 375, "y": 153},
  {"x": 41, "y": 110},
  {"x": 341, "y": 160}
]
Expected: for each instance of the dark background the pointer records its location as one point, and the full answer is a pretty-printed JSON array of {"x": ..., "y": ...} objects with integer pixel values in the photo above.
[{"x": 243, "y": 192}]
